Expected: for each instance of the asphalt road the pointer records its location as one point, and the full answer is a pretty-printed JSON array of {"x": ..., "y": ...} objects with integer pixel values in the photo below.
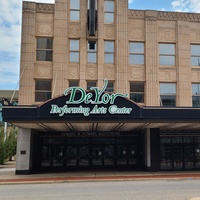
[{"x": 119, "y": 190}]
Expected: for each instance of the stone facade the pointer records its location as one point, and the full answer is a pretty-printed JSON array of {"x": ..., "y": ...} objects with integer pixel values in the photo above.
[{"x": 150, "y": 27}]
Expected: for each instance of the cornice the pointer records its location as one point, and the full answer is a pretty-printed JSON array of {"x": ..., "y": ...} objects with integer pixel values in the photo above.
[{"x": 163, "y": 15}]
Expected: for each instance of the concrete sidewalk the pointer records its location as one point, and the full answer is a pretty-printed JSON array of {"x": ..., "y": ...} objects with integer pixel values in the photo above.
[{"x": 7, "y": 176}]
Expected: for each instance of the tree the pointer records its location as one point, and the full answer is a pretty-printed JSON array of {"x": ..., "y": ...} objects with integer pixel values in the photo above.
[
  {"x": 8, "y": 146},
  {"x": 2, "y": 150}
]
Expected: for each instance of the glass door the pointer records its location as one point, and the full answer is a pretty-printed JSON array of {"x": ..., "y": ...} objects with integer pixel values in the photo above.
[
  {"x": 109, "y": 155},
  {"x": 83, "y": 155},
  {"x": 133, "y": 155},
  {"x": 97, "y": 155},
  {"x": 71, "y": 155},
  {"x": 122, "y": 155}
]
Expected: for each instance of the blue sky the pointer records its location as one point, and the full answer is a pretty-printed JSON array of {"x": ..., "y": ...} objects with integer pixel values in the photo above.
[{"x": 10, "y": 31}]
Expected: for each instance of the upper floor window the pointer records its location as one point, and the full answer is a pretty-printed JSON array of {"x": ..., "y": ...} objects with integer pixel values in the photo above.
[
  {"x": 74, "y": 51},
  {"x": 195, "y": 55},
  {"x": 92, "y": 52},
  {"x": 74, "y": 10},
  {"x": 196, "y": 95},
  {"x": 44, "y": 49},
  {"x": 73, "y": 83},
  {"x": 137, "y": 91},
  {"x": 42, "y": 90},
  {"x": 110, "y": 87},
  {"x": 109, "y": 52},
  {"x": 91, "y": 84},
  {"x": 168, "y": 94},
  {"x": 136, "y": 50},
  {"x": 109, "y": 7},
  {"x": 167, "y": 54}
]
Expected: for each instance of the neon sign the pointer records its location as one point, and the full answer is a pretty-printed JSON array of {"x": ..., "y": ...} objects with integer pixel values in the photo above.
[{"x": 96, "y": 98}]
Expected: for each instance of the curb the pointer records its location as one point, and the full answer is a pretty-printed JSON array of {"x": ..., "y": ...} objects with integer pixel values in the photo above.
[{"x": 44, "y": 180}]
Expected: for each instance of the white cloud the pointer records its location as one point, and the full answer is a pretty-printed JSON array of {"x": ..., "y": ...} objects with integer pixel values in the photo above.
[
  {"x": 186, "y": 5},
  {"x": 130, "y": 1}
]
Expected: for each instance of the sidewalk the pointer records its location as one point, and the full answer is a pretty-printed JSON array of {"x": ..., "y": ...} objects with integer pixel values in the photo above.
[{"x": 7, "y": 176}]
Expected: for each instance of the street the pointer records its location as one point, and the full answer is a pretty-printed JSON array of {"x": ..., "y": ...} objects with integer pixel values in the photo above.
[{"x": 119, "y": 190}]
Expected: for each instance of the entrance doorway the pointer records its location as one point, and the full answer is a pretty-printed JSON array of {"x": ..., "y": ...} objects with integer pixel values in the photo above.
[
  {"x": 180, "y": 152},
  {"x": 58, "y": 152}
]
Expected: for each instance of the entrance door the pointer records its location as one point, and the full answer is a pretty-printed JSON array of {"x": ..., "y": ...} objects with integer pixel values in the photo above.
[
  {"x": 89, "y": 152},
  {"x": 77, "y": 155},
  {"x": 127, "y": 155},
  {"x": 103, "y": 155}
]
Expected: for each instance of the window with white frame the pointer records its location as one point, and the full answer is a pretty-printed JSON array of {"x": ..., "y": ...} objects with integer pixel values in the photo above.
[
  {"x": 195, "y": 55},
  {"x": 167, "y": 54},
  {"x": 136, "y": 53},
  {"x": 109, "y": 52},
  {"x": 92, "y": 52},
  {"x": 109, "y": 8},
  {"x": 196, "y": 94},
  {"x": 44, "y": 50},
  {"x": 137, "y": 91},
  {"x": 74, "y": 10},
  {"x": 168, "y": 94},
  {"x": 42, "y": 90},
  {"x": 74, "y": 51}
]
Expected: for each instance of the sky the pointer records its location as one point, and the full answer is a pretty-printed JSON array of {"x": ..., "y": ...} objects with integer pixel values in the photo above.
[{"x": 10, "y": 31}]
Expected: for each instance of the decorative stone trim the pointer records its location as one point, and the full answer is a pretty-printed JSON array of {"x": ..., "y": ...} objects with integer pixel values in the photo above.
[
  {"x": 45, "y": 8},
  {"x": 162, "y": 15}
]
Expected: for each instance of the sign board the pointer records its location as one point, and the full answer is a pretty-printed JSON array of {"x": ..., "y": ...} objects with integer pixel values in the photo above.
[{"x": 99, "y": 100}]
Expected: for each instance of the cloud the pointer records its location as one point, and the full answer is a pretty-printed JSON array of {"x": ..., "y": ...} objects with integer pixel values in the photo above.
[
  {"x": 130, "y": 1},
  {"x": 10, "y": 34},
  {"x": 186, "y": 6}
]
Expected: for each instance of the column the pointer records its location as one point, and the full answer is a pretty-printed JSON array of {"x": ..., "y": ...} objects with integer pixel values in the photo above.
[
  {"x": 151, "y": 61},
  {"x": 23, "y": 151}
]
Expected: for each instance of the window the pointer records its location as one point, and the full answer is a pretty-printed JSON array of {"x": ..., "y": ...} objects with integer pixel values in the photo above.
[
  {"x": 42, "y": 90},
  {"x": 168, "y": 94},
  {"x": 167, "y": 54},
  {"x": 109, "y": 52},
  {"x": 92, "y": 52},
  {"x": 44, "y": 49},
  {"x": 74, "y": 10},
  {"x": 110, "y": 87},
  {"x": 109, "y": 11},
  {"x": 91, "y": 84},
  {"x": 74, "y": 51},
  {"x": 196, "y": 95},
  {"x": 195, "y": 55},
  {"x": 136, "y": 53},
  {"x": 73, "y": 83},
  {"x": 137, "y": 92}
]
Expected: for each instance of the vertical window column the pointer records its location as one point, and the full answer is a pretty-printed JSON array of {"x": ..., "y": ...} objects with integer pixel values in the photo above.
[
  {"x": 74, "y": 51},
  {"x": 137, "y": 92},
  {"x": 136, "y": 53},
  {"x": 109, "y": 52},
  {"x": 74, "y": 10},
  {"x": 167, "y": 54},
  {"x": 92, "y": 52},
  {"x": 168, "y": 94},
  {"x": 44, "y": 50},
  {"x": 73, "y": 83},
  {"x": 196, "y": 95},
  {"x": 109, "y": 8},
  {"x": 195, "y": 55},
  {"x": 42, "y": 90},
  {"x": 110, "y": 86}
]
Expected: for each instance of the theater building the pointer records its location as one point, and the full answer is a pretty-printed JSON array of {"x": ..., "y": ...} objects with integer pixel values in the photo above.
[{"x": 107, "y": 87}]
